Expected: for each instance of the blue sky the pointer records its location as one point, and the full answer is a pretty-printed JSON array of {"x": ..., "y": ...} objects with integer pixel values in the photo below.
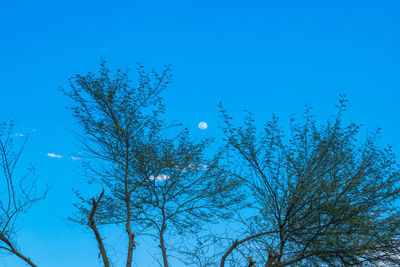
[{"x": 264, "y": 56}]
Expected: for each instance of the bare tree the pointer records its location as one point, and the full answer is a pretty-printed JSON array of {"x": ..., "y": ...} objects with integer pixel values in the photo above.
[
  {"x": 321, "y": 197},
  {"x": 156, "y": 180},
  {"x": 113, "y": 116},
  {"x": 184, "y": 189},
  {"x": 18, "y": 194}
]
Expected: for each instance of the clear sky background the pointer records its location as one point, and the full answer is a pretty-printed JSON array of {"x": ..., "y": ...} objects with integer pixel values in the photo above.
[{"x": 264, "y": 56}]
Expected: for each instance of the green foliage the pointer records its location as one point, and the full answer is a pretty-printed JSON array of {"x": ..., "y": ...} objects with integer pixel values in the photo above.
[
  {"x": 332, "y": 199},
  {"x": 157, "y": 180}
]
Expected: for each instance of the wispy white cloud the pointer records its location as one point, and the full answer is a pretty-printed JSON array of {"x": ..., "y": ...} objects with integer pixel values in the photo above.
[
  {"x": 19, "y": 135},
  {"x": 53, "y": 155},
  {"x": 75, "y": 158},
  {"x": 161, "y": 177},
  {"x": 198, "y": 167}
]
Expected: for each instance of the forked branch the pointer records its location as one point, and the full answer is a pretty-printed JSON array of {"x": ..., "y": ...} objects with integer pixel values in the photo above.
[{"x": 92, "y": 225}]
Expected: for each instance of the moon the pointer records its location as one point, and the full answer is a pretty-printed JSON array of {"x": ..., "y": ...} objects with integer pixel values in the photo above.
[{"x": 203, "y": 125}]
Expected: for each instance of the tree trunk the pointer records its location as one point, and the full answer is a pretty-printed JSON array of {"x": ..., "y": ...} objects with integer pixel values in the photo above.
[
  {"x": 273, "y": 259},
  {"x": 162, "y": 246},
  {"x": 131, "y": 245},
  {"x": 131, "y": 236},
  {"x": 238, "y": 242},
  {"x": 92, "y": 225},
  {"x": 251, "y": 262},
  {"x": 26, "y": 259},
  {"x": 16, "y": 252}
]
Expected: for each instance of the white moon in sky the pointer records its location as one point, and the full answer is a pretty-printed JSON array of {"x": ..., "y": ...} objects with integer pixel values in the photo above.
[{"x": 203, "y": 125}]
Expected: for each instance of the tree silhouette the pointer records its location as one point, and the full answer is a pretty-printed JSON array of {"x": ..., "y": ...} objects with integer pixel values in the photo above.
[
  {"x": 19, "y": 191},
  {"x": 156, "y": 179},
  {"x": 320, "y": 196}
]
